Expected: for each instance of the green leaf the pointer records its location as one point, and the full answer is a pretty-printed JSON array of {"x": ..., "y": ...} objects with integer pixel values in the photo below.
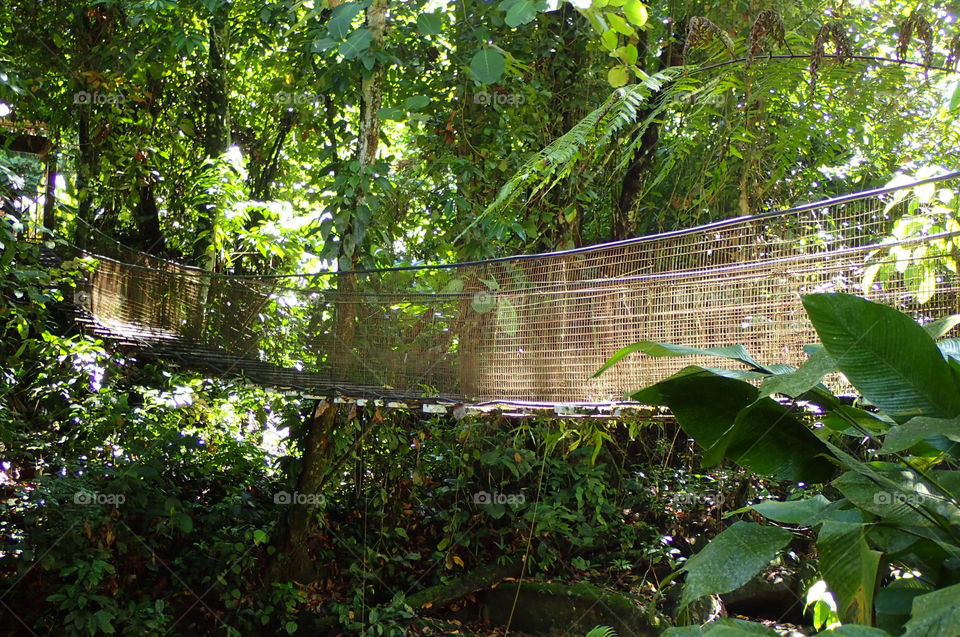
[
  {"x": 917, "y": 429},
  {"x": 339, "y": 24},
  {"x": 609, "y": 39},
  {"x": 939, "y": 328},
  {"x": 430, "y": 23},
  {"x": 619, "y": 24},
  {"x": 854, "y": 630},
  {"x": 935, "y": 614},
  {"x": 849, "y": 567},
  {"x": 653, "y": 348},
  {"x": 890, "y": 359},
  {"x": 636, "y": 13},
  {"x": 731, "y": 559},
  {"x": 728, "y": 627},
  {"x": 391, "y": 113},
  {"x": 896, "y": 494},
  {"x": 801, "y": 380},
  {"x": 358, "y": 42},
  {"x": 416, "y": 102},
  {"x": 520, "y": 12},
  {"x": 259, "y": 537},
  {"x": 290, "y": 627},
  {"x": 792, "y": 511},
  {"x": 628, "y": 54},
  {"x": 488, "y": 66},
  {"x": 766, "y": 438},
  {"x": 618, "y": 76}
]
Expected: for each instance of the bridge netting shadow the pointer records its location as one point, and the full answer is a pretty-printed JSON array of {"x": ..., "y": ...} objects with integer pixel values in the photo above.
[{"x": 531, "y": 328}]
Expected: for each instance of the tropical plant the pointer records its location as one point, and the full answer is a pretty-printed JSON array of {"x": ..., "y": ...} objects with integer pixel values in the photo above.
[{"x": 879, "y": 485}]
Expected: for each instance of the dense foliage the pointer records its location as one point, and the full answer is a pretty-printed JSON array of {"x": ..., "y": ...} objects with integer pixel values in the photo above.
[{"x": 307, "y": 135}]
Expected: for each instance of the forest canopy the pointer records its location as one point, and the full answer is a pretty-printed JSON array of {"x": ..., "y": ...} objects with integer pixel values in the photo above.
[{"x": 292, "y": 140}]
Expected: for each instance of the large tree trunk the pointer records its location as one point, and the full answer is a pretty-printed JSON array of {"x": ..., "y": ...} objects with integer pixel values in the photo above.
[
  {"x": 294, "y": 561},
  {"x": 316, "y": 458},
  {"x": 216, "y": 124},
  {"x": 351, "y": 243}
]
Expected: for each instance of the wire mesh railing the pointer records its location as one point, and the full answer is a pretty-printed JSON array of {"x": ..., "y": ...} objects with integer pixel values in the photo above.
[{"x": 536, "y": 327}]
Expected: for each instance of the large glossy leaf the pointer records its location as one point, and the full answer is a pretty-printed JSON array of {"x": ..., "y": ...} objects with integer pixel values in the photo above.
[
  {"x": 803, "y": 379},
  {"x": 853, "y": 630},
  {"x": 731, "y": 559},
  {"x": 849, "y": 567},
  {"x": 653, "y": 348},
  {"x": 940, "y": 327},
  {"x": 917, "y": 429},
  {"x": 896, "y": 494},
  {"x": 793, "y": 511},
  {"x": 891, "y": 360},
  {"x": 488, "y": 65},
  {"x": 767, "y": 439},
  {"x": 894, "y": 602},
  {"x": 935, "y": 614}
]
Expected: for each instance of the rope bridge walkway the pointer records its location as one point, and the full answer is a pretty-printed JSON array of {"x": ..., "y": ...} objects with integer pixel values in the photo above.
[{"x": 530, "y": 331}]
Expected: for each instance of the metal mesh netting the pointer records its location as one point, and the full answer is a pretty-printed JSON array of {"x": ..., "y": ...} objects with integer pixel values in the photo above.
[{"x": 534, "y": 327}]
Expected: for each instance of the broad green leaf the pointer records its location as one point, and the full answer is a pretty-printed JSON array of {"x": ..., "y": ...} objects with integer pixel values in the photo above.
[
  {"x": 653, "y": 348},
  {"x": 339, "y": 24},
  {"x": 683, "y": 631},
  {"x": 609, "y": 39},
  {"x": 767, "y": 439},
  {"x": 416, "y": 102},
  {"x": 917, "y": 429},
  {"x": 430, "y": 23},
  {"x": 853, "y": 630},
  {"x": 729, "y": 627},
  {"x": 619, "y": 24},
  {"x": 890, "y": 359},
  {"x": 939, "y": 328},
  {"x": 849, "y": 567},
  {"x": 628, "y": 54},
  {"x": 801, "y": 380},
  {"x": 636, "y": 13},
  {"x": 521, "y": 12},
  {"x": 950, "y": 347},
  {"x": 391, "y": 113},
  {"x": 792, "y": 511},
  {"x": 618, "y": 76},
  {"x": 731, "y": 559},
  {"x": 894, "y": 602},
  {"x": 839, "y": 419},
  {"x": 935, "y": 614},
  {"x": 488, "y": 66},
  {"x": 896, "y": 494},
  {"x": 358, "y": 42}
]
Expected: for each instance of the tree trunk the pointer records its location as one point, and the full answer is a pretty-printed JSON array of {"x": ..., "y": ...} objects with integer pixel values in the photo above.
[
  {"x": 294, "y": 560},
  {"x": 216, "y": 125},
  {"x": 49, "y": 195},
  {"x": 351, "y": 243},
  {"x": 86, "y": 161}
]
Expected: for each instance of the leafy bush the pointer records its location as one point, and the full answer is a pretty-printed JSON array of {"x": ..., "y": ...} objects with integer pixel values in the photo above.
[{"x": 886, "y": 523}]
